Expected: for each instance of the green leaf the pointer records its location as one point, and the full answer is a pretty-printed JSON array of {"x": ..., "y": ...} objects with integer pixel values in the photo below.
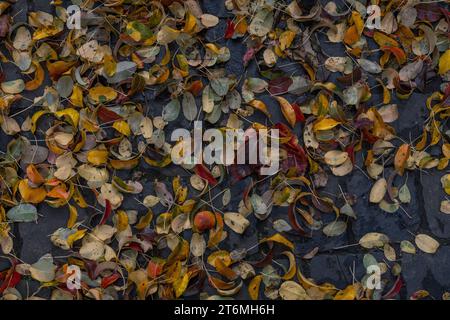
[
  {"x": 24, "y": 212},
  {"x": 44, "y": 269},
  {"x": 189, "y": 106},
  {"x": 221, "y": 86},
  {"x": 369, "y": 260},
  {"x": 347, "y": 210},
  {"x": 171, "y": 110},
  {"x": 335, "y": 228},
  {"x": 404, "y": 195}
]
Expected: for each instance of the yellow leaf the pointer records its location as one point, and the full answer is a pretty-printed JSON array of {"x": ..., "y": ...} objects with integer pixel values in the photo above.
[
  {"x": 261, "y": 106},
  {"x": 435, "y": 133},
  {"x": 181, "y": 284},
  {"x": 75, "y": 236},
  {"x": 187, "y": 206},
  {"x": 70, "y": 114},
  {"x": 166, "y": 59},
  {"x": 159, "y": 163},
  {"x": 97, "y": 157},
  {"x": 358, "y": 21},
  {"x": 443, "y": 163},
  {"x": 446, "y": 150},
  {"x": 349, "y": 293},
  {"x": 77, "y": 96},
  {"x": 109, "y": 65},
  {"x": 286, "y": 39},
  {"x": 48, "y": 31},
  {"x": 325, "y": 124},
  {"x": 122, "y": 220},
  {"x": 35, "y": 118},
  {"x": 287, "y": 110},
  {"x": 145, "y": 220},
  {"x": 383, "y": 40},
  {"x": 73, "y": 215},
  {"x": 122, "y": 127},
  {"x": 79, "y": 199},
  {"x": 102, "y": 94},
  {"x": 292, "y": 266},
  {"x": 307, "y": 283},
  {"x": 190, "y": 24},
  {"x": 444, "y": 62},
  {"x": 253, "y": 287},
  {"x": 219, "y": 254},
  {"x": 386, "y": 92},
  {"x": 213, "y": 48},
  {"x": 279, "y": 239},
  {"x": 423, "y": 141}
]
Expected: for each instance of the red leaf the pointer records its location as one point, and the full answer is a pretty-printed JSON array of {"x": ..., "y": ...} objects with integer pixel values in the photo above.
[
  {"x": 204, "y": 173},
  {"x": 299, "y": 116},
  {"x": 155, "y": 267},
  {"x": 230, "y": 29},
  {"x": 134, "y": 246},
  {"x": 267, "y": 258},
  {"x": 250, "y": 53},
  {"x": 369, "y": 33},
  {"x": 367, "y": 136},
  {"x": 351, "y": 153},
  {"x": 293, "y": 161},
  {"x": 284, "y": 130},
  {"x": 293, "y": 220},
  {"x": 107, "y": 213},
  {"x": 4, "y": 25},
  {"x": 109, "y": 280},
  {"x": 395, "y": 289},
  {"x": 107, "y": 115},
  {"x": 11, "y": 280},
  {"x": 280, "y": 85},
  {"x": 195, "y": 87}
]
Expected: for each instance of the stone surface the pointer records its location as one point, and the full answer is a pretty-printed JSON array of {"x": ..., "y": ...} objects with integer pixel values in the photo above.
[{"x": 433, "y": 194}]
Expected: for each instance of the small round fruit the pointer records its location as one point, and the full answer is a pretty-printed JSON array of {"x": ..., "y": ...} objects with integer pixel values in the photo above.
[{"x": 204, "y": 220}]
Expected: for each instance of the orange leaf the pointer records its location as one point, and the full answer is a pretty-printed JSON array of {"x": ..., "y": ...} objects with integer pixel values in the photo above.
[
  {"x": 34, "y": 175},
  {"x": 59, "y": 192},
  {"x": 261, "y": 106},
  {"x": 401, "y": 157},
  {"x": 351, "y": 35},
  {"x": 287, "y": 110},
  {"x": 397, "y": 52},
  {"x": 32, "y": 195},
  {"x": 57, "y": 68},
  {"x": 38, "y": 78}
]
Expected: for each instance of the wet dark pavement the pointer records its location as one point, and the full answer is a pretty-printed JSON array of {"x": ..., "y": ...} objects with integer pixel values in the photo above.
[{"x": 331, "y": 264}]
